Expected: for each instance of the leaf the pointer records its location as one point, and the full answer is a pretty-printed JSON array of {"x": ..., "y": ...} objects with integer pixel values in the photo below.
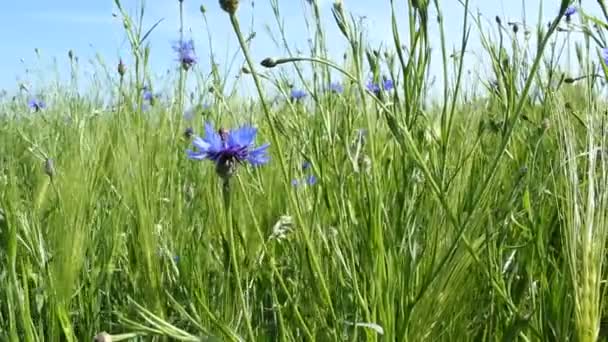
[
  {"x": 150, "y": 30},
  {"x": 373, "y": 326}
]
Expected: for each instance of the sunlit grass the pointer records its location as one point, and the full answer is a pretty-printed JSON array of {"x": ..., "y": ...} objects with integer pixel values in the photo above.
[{"x": 379, "y": 216}]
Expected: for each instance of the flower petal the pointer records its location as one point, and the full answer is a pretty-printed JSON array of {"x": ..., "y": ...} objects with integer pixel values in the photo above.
[
  {"x": 243, "y": 136},
  {"x": 212, "y": 137},
  {"x": 201, "y": 144},
  {"x": 196, "y": 155},
  {"x": 259, "y": 156}
]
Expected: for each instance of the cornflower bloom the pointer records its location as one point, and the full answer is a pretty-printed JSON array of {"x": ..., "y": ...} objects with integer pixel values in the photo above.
[
  {"x": 387, "y": 85},
  {"x": 36, "y": 104},
  {"x": 227, "y": 149},
  {"x": 297, "y": 94},
  {"x": 185, "y": 52},
  {"x": 570, "y": 11},
  {"x": 336, "y": 87},
  {"x": 605, "y": 55},
  {"x": 147, "y": 94}
]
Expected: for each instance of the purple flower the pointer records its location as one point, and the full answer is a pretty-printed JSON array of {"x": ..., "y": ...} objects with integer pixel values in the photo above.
[
  {"x": 604, "y": 54},
  {"x": 373, "y": 87},
  {"x": 311, "y": 180},
  {"x": 570, "y": 11},
  {"x": 229, "y": 148},
  {"x": 297, "y": 94},
  {"x": 306, "y": 165},
  {"x": 185, "y": 52},
  {"x": 388, "y": 85},
  {"x": 36, "y": 104},
  {"x": 147, "y": 94},
  {"x": 336, "y": 87}
]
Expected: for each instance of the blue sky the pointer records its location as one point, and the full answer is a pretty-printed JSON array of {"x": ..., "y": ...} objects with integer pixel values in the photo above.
[{"x": 89, "y": 28}]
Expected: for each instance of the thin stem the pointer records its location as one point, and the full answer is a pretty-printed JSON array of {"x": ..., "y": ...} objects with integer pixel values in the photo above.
[
  {"x": 233, "y": 256},
  {"x": 312, "y": 255},
  {"x": 182, "y": 71}
]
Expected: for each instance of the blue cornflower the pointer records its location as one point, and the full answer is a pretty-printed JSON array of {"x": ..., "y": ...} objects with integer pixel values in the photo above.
[
  {"x": 336, "y": 87},
  {"x": 297, "y": 94},
  {"x": 306, "y": 165},
  {"x": 388, "y": 85},
  {"x": 311, "y": 180},
  {"x": 147, "y": 94},
  {"x": 227, "y": 149},
  {"x": 185, "y": 51},
  {"x": 373, "y": 87},
  {"x": 36, "y": 104},
  {"x": 570, "y": 11},
  {"x": 604, "y": 54}
]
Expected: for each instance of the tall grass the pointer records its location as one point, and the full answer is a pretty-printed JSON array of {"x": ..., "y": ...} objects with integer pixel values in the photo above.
[{"x": 482, "y": 216}]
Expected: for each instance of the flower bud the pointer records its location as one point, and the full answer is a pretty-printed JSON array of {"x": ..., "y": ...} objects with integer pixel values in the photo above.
[
  {"x": 122, "y": 69},
  {"x": 269, "y": 62},
  {"x": 230, "y": 6}
]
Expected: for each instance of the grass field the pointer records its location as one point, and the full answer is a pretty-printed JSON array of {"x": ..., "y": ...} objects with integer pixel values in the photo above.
[{"x": 373, "y": 214}]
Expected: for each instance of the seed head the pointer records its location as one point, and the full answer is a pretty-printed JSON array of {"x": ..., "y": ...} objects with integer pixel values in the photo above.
[
  {"x": 122, "y": 69},
  {"x": 226, "y": 167},
  {"x": 230, "y": 6},
  {"x": 188, "y": 132},
  {"x": 269, "y": 62}
]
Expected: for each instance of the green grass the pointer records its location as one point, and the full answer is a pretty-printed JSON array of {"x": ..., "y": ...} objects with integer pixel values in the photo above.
[{"x": 468, "y": 219}]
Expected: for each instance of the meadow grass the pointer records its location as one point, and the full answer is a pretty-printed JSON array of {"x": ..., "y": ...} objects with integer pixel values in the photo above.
[{"x": 482, "y": 216}]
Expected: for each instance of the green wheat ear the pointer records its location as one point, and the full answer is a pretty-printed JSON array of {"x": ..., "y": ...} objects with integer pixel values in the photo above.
[{"x": 586, "y": 220}]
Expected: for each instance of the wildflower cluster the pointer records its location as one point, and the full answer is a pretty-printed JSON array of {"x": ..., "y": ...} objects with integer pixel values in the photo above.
[{"x": 387, "y": 85}]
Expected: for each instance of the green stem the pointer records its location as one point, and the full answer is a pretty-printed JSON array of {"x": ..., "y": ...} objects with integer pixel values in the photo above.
[
  {"x": 233, "y": 256},
  {"x": 313, "y": 260},
  {"x": 182, "y": 72}
]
